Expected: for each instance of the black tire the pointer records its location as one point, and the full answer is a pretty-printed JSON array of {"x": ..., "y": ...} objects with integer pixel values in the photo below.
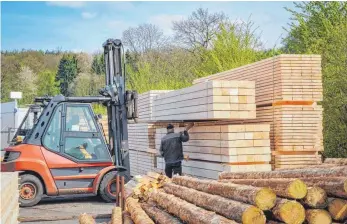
[
  {"x": 104, "y": 192},
  {"x": 32, "y": 184}
]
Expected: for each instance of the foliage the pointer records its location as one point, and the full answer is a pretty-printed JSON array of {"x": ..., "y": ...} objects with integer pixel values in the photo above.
[
  {"x": 67, "y": 72},
  {"x": 320, "y": 28},
  {"x": 98, "y": 64},
  {"x": 235, "y": 45},
  {"x": 46, "y": 84},
  {"x": 27, "y": 85},
  {"x": 170, "y": 69}
]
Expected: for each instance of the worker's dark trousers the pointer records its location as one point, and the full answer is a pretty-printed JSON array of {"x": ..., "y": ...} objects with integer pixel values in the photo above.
[{"x": 175, "y": 168}]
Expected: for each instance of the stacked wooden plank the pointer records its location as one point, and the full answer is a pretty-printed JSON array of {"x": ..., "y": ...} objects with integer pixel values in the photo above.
[
  {"x": 210, "y": 100},
  {"x": 141, "y": 136},
  {"x": 283, "y": 77},
  {"x": 214, "y": 148},
  {"x": 141, "y": 162},
  {"x": 145, "y": 104},
  {"x": 287, "y": 89},
  {"x": 9, "y": 205}
]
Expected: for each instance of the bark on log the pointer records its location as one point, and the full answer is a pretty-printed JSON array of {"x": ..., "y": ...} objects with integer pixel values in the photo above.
[
  {"x": 316, "y": 198},
  {"x": 337, "y": 209},
  {"x": 263, "y": 198},
  {"x": 318, "y": 216},
  {"x": 287, "y": 188},
  {"x": 86, "y": 219},
  {"x": 340, "y": 171},
  {"x": 187, "y": 212},
  {"x": 334, "y": 186},
  {"x": 274, "y": 222},
  {"x": 234, "y": 210},
  {"x": 290, "y": 212},
  {"x": 160, "y": 216},
  {"x": 338, "y": 161},
  {"x": 137, "y": 214},
  {"x": 116, "y": 217},
  {"x": 127, "y": 218}
]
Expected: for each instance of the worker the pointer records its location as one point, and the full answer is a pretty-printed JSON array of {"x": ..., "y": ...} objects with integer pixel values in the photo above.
[{"x": 172, "y": 150}]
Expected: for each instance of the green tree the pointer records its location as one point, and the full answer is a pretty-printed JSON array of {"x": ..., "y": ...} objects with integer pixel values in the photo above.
[
  {"x": 47, "y": 84},
  {"x": 27, "y": 85},
  {"x": 98, "y": 64},
  {"x": 320, "y": 28},
  {"x": 67, "y": 72},
  {"x": 235, "y": 45}
]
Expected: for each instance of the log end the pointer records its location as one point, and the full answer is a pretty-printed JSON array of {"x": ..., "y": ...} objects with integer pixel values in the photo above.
[
  {"x": 345, "y": 185},
  {"x": 292, "y": 212},
  {"x": 265, "y": 198},
  {"x": 338, "y": 209},
  {"x": 86, "y": 219},
  {"x": 297, "y": 189},
  {"x": 316, "y": 198},
  {"x": 317, "y": 216},
  {"x": 253, "y": 215}
]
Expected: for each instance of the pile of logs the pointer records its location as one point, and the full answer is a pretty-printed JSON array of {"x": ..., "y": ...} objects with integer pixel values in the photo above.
[{"x": 312, "y": 195}]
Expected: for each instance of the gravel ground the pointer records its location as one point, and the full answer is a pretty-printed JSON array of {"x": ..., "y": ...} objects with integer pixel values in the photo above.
[{"x": 66, "y": 209}]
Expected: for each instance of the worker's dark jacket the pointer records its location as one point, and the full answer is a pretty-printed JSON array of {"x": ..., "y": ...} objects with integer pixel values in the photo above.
[{"x": 171, "y": 146}]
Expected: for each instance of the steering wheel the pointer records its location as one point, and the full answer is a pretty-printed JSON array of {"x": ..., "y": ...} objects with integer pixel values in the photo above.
[{"x": 97, "y": 151}]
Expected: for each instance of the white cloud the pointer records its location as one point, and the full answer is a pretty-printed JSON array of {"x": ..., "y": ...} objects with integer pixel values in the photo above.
[
  {"x": 66, "y": 4},
  {"x": 88, "y": 15},
  {"x": 164, "y": 21}
]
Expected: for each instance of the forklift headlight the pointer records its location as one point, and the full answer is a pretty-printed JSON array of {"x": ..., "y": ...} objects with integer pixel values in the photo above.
[{"x": 10, "y": 156}]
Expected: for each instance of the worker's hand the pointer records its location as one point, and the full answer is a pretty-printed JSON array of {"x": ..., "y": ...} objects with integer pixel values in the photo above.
[
  {"x": 186, "y": 157},
  {"x": 189, "y": 126}
]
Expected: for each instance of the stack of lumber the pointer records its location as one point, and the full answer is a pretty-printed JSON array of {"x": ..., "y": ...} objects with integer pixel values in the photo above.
[
  {"x": 141, "y": 162},
  {"x": 287, "y": 89},
  {"x": 145, "y": 104},
  {"x": 9, "y": 205},
  {"x": 214, "y": 148},
  {"x": 141, "y": 136},
  {"x": 211, "y": 100}
]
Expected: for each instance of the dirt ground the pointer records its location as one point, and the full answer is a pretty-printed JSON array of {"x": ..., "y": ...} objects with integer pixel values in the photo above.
[{"x": 65, "y": 210}]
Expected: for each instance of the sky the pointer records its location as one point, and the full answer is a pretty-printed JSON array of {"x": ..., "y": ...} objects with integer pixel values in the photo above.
[{"x": 84, "y": 26}]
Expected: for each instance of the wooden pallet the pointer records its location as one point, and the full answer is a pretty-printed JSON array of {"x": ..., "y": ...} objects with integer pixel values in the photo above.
[{"x": 205, "y": 101}]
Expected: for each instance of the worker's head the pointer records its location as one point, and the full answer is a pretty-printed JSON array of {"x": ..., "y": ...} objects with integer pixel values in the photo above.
[{"x": 170, "y": 128}]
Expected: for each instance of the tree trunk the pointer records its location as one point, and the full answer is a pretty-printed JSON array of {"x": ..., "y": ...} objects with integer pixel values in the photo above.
[
  {"x": 116, "y": 217},
  {"x": 234, "y": 210},
  {"x": 263, "y": 198},
  {"x": 316, "y": 198},
  {"x": 318, "y": 216},
  {"x": 338, "y": 161},
  {"x": 287, "y": 188},
  {"x": 290, "y": 212},
  {"x": 86, "y": 219},
  {"x": 160, "y": 216},
  {"x": 137, "y": 214},
  {"x": 337, "y": 209},
  {"x": 185, "y": 211},
  {"x": 334, "y": 186},
  {"x": 340, "y": 171}
]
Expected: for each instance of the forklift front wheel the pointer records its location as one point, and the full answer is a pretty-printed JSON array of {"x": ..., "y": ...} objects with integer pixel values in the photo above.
[
  {"x": 30, "y": 190},
  {"x": 107, "y": 188}
]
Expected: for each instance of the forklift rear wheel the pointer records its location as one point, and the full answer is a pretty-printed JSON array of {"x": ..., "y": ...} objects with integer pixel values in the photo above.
[
  {"x": 107, "y": 188},
  {"x": 30, "y": 190}
]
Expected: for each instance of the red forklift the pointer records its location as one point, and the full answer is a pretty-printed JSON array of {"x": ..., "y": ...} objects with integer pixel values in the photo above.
[{"x": 66, "y": 151}]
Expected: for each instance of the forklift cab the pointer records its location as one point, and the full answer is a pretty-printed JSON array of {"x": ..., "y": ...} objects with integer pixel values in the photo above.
[{"x": 65, "y": 152}]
